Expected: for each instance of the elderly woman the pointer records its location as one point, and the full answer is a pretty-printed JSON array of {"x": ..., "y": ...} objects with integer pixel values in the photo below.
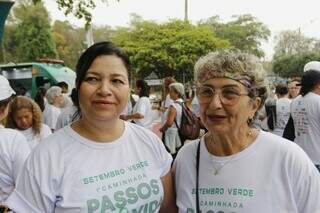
[
  {"x": 99, "y": 163},
  {"x": 305, "y": 111},
  {"x": 173, "y": 121},
  {"x": 26, "y": 116},
  {"x": 53, "y": 108},
  {"x": 235, "y": 168}
]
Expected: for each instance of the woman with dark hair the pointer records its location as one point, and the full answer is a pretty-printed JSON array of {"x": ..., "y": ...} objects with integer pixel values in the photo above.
[
  {"x": 305, "y": 112},
  {"x": 142, "y": 111},
  {"x": 99, "y": 163},
  {"x": 40, "y": 98}
]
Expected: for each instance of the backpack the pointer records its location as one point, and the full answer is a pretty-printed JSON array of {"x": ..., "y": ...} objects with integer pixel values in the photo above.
[
  {"x": 190, "y": 124},
  {"x": 271, "y": 109}
]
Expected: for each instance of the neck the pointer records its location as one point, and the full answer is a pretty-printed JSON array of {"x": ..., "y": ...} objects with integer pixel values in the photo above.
[
  {"x": 100, "y": 131},
  {"x": 229, "y": 144}
]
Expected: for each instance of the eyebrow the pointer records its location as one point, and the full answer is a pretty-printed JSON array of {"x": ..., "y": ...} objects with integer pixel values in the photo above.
[
  {"x": 225, "y": 86},
  {"x": 98, "y": 74}
]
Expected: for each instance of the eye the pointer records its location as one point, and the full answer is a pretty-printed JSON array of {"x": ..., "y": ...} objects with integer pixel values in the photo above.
[
  {"x": 230, "y": 93},
  {"x": 91, "y": 79},
  {"x": 205, "y": 91},
  {"x": 118, "y": 81}
]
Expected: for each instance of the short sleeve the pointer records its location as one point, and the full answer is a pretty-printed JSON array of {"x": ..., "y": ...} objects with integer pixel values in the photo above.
[
  {"x": 163, "y": 156},
  {"x": 34, "y": 191},
  {"x": 305, "y": 181},
  {"x": 141, "y": 106}
]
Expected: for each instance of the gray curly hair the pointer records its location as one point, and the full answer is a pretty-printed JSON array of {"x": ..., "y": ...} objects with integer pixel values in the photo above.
[{"x": 233, "y": 64}]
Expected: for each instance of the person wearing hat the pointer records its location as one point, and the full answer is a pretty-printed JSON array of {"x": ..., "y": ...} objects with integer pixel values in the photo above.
[
  {"x": 170, "y": 128},
  {"x": 305, "y": 112},
  {"x": 14, "y": 148}
]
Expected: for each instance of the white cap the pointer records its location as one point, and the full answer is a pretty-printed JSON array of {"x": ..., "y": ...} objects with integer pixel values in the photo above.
[
  {"x": 5, "y": 89},
  {"x": 312, "y": 65}
]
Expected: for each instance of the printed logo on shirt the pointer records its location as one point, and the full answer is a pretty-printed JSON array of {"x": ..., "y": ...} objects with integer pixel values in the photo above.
[
  {"x": 212, "y": 199},
  {"x": 127, "y": 189}
]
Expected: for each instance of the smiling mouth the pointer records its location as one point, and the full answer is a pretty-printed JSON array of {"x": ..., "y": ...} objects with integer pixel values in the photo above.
[{"x": 216, "y": 117}]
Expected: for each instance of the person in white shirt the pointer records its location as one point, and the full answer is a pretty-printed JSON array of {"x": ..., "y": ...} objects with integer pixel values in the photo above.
[
  {"x": 25, "y": 115},
  {"x": 14, "y": 148},
  {"x": 98, "y": 163},
  {"x": 53, "y": 108},
  {"x": 68, "y": 114},
  {"x": 234, "y": 167},
  {"x": 305, "y": 112},
  {"x": 282, "y": 109},
  {"x": 142, "y": 114},
  {"x": 173, "y": 122}
]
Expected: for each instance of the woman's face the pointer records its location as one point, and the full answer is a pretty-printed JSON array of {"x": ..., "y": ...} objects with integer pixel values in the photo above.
[
  {"x": 104, "y": 91},
  {"x": 294, "y": 89},
  {"x": 229, "y": 107},
  {"x": 173, "y": 94},
  {"x": 59, "y": 100},
  {"x": 23, "y": 118}
]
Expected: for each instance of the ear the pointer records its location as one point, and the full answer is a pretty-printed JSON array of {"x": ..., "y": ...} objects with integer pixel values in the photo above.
[{"x": 256, "y": 103}]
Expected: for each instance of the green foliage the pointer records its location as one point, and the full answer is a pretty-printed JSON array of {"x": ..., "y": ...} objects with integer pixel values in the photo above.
[
  {"x": 244, "y": 32},
  {"x": 29, "y": 35},
  {"x": 69, "y": 42},
  {"x": 168, "y": 49},
  {"x": 293, "y": 42},
  {"x": 81, "y": 9},
  {"x": 292, "y": 65}
]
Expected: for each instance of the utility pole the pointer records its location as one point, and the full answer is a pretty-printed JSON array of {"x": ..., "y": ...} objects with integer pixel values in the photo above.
[{"x": 185, "y": 10}]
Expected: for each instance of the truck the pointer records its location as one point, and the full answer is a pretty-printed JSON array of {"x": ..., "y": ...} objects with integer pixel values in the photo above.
[{"x": 32, "y": 75}]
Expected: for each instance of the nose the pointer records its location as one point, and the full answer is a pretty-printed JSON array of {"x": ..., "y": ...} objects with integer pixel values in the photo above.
[
  {"x": 104, "y": 88},
  {"x": 215, "y": 100}
]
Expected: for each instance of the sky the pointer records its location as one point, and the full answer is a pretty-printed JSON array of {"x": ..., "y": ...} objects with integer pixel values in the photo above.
[{"x": 277, "y": 15}]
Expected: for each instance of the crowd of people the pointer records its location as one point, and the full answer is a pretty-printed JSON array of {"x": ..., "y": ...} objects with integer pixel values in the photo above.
[{"x": 96, "y": 151}]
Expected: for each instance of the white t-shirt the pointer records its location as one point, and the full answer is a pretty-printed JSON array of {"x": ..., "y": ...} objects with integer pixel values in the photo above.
[
  {"x": 69, "y": 173},
  {"x": 50, "y": 115},
  {"x": 282, "y": 114},
  {"x": 195, "y": 107},
  {"x": 14, "y": 150},
  {"x": 33, "y": 140},
  {"x": 305, "y": 113},
  {"x": 271, "y": 175},
  {"x": 143, "y": 107},
  {"x": 65, "y": 117}
]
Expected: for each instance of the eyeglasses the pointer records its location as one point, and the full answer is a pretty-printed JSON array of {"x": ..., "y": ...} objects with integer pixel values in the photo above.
[{"x": 228, "y": 96}]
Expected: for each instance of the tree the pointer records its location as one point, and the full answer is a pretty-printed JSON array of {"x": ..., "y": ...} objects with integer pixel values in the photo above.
[
  {"x": 69, "y": 42},
  {"x": 168, "y": 49},
  {"x": 79, "y": 8},
  {"x": 292, "y": 65},
  {"x": 291, "y": 43},
  {"x": 31, "y": 36},
  {"x": 245, "y": 32}
]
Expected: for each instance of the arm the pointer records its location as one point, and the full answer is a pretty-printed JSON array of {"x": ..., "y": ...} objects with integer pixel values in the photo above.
[
  {"x": 170, "y": 119},
  {"x": 168, "y": 204},
  {"x": 133, "y": 116}
]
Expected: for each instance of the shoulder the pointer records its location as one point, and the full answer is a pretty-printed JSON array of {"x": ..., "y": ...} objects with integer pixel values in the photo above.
[
  {"x": 145, "y": 138},
  {"x": 140, "y": 132},
  {"x": 11, "y": 134},
  {"x": 188, "y": 152},
  {"x": 55, "y": 142},
  {"x": 278, "y": 146}
]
